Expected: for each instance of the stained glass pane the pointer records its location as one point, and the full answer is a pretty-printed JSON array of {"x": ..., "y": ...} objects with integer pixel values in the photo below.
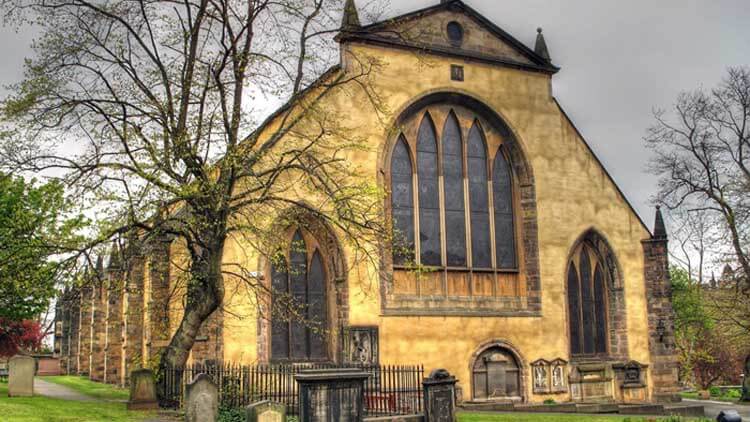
[
  {"x": 601, "y": 309},
  {"x": 453, "y": 183},
  {"x": 402, "y": 204},
  {"x": 587, "y": 297},
  {"x": 502, "y": 193},
  {"x": 279, "y": 324},
  {"x": 478, "y": 199},
  {"x": 429, "y": 206},
  {"x": 574, "y": 309},
  {"x": 316, "y": 299}
]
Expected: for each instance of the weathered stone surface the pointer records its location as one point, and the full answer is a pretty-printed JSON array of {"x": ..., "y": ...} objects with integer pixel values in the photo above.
[
  {"x": 21, "y": 376},
  {"x": 439, "y": 397},
  {"x": 331, "y": 395},
  {"x": 201, "y": 400},
  {"x": 142, "y": 390},
  {"x": 265, "y": 411}
]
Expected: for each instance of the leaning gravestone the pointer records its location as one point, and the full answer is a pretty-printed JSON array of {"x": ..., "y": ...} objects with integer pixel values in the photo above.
[
  {"x": 142, "y": 390},
  {"x": 21, "y": 376},
  {"x": 746, "y": 381},
  {"x": 439, "y": 397},
  {"x": 201, "y": 400},
  {"x": 265, "y": 411}
]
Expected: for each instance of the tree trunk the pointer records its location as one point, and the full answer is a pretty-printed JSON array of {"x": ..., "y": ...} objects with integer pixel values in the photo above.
[{"x": 205, "y": 294}]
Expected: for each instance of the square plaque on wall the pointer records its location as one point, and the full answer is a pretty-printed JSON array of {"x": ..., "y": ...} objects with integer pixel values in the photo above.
[{"x": 361, "y": 345}]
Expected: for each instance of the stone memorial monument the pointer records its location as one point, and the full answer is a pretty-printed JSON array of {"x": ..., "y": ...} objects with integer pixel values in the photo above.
[
  {"x": 331, "y": 395},
  {"x": 439, "y": 397},
  {"x": 21, "y": 376},
  {"x": 201, "y": 400},
  {"x": 142, "y": 390},
  {"x": 265, "y": 411}
]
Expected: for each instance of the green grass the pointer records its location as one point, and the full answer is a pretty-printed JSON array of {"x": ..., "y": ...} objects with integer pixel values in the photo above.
[
  {"x": 560, "y": 417},
  {"x": 43, "y": 409},
  {"x": 728, "y": 397},
  {"x": 90, "y": 388}
]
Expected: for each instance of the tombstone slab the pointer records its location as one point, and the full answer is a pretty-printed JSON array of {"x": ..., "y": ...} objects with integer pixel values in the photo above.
[
  {"x": 201, "y": 400},
  {"x": 439, "y": 397},
  {"x": 142, "y": 390},
  {"x": 331, "y": 395},
  {"x": 21, "y": 376},
  {"x": 265, "y": 411}
]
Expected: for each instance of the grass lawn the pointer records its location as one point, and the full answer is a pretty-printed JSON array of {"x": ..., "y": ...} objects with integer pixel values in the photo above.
[
  {"x": 560, "y": 417},
  {"x": 90, "y": 388},
  {"x": 729, "y": 396},
  {"x": 43, "y": 409}
]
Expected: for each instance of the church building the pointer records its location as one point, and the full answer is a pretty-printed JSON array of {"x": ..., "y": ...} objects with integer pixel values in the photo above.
[{"x": 542, "y": 282}]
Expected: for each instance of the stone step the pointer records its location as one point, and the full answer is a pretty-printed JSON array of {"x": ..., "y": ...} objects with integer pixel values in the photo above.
[
  {"x": 641, "y": 409},
  {"x": 544, "y": 408},
  {"x": 488, "y": 406},
  {"x": 684, "y": 410},
  {"x": 597, "y": 408}
]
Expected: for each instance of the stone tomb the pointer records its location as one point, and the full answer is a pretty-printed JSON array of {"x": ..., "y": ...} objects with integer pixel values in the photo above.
[
  {"x": 142, "y": 390},
  {"x": 439, "y": 397},
  {"x": 21, "y": 376},
  {"x": 331, "y": 395},
  {"x": 201, "y": 400},
  {"x": 265, "y": 411}
]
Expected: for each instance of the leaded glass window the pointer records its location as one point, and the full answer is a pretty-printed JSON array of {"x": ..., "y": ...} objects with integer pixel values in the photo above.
[
  {"x": 587, "y": 303},
  {"x": 502, "y": 196},
  {"x": 402, "y": 203},
  {"x": 429, "y": 194},
  {"x": 453, "y": 184},
  {"x": 476, "y": 158},
  {"x": 299, "y": 321}
]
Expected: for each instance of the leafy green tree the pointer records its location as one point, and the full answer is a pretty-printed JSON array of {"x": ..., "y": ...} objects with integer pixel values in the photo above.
[
  {"x": 34, "y": 229},
  {"x": 692, "y": 321}
]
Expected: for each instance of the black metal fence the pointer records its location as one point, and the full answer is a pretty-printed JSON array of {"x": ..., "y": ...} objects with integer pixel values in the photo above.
[{"x": 390, "y": 389}]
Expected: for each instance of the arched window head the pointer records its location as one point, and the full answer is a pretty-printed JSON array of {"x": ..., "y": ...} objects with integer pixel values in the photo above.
[
  {"x": 429, "y": 193},
  {"x": 453, "y": 184}
]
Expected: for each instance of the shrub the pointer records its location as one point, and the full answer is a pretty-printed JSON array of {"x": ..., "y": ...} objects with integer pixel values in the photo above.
[
  {"x": 550, "y": 401},
  {"x": 231, "y": 414},
  {"x": 714, "y": 391}
]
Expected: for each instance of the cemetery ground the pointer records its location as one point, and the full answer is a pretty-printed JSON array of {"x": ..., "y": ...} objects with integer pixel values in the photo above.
[{"x": 107, "y": 403}]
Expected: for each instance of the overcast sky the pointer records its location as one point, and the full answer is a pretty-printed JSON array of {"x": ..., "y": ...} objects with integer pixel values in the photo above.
[{"x": 619, "y": 60}]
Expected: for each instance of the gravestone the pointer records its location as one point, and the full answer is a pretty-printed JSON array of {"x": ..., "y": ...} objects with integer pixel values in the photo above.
[
  {"x": 331, "y": 395},
  {"x": 142, "y": 390},
  {"x": 21, "y": 376},
  {"x": 265, "y": 411},
  {"x": 439, "y": 397},
  {"x": 201, "y": 400},
  {"x": 746, "y": 381}
]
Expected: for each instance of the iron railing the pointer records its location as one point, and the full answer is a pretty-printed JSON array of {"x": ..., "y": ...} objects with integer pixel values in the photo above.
[{"x": 390, "y": 389}]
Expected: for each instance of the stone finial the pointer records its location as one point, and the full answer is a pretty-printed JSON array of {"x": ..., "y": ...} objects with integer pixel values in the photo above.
[
  {"x": 99, "y": 266},
  {"x": 540, "y": 47},
  {"x": 350, "y": 20},
  {"x": 114, "y": 256},
  {"x": 660, "y": 232}
]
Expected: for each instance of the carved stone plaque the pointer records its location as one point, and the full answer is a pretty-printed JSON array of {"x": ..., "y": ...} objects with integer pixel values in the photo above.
[{"x": 361, "y": 345}]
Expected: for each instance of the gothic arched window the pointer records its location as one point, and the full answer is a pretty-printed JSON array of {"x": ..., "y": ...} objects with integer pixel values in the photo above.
[
  {"x": 587, "y": 302},
  {"x": 299, "y": 303},
  {"x": 460, "y": 225}
]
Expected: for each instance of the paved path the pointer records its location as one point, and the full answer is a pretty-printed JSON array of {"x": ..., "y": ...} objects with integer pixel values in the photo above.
[
  {"x": 712, "y": 408},
  {"x": 49, "y": 389}
]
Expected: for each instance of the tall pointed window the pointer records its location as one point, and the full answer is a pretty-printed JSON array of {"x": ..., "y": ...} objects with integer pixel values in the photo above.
[
  {"x": 453, "y": 182},
  {"x": 429, "y": 194},
  {"x": 587, "y": 302},
  {"x": 459, "y": 224},
  {"x": 299, "y": 304}
]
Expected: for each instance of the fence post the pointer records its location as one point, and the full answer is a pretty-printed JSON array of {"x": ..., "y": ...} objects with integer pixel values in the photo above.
[
  {"x": 331, "y": 395},
  {"x": 439, "y": 397}
]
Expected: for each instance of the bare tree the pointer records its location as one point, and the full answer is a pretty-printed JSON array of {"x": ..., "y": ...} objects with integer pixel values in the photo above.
[
  {"x": 701, "y": 156},
  {"x": 151, "y": 112}
]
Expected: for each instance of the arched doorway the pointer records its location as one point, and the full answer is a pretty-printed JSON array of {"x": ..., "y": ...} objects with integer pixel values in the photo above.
[{"x": 496, "y": 375}]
